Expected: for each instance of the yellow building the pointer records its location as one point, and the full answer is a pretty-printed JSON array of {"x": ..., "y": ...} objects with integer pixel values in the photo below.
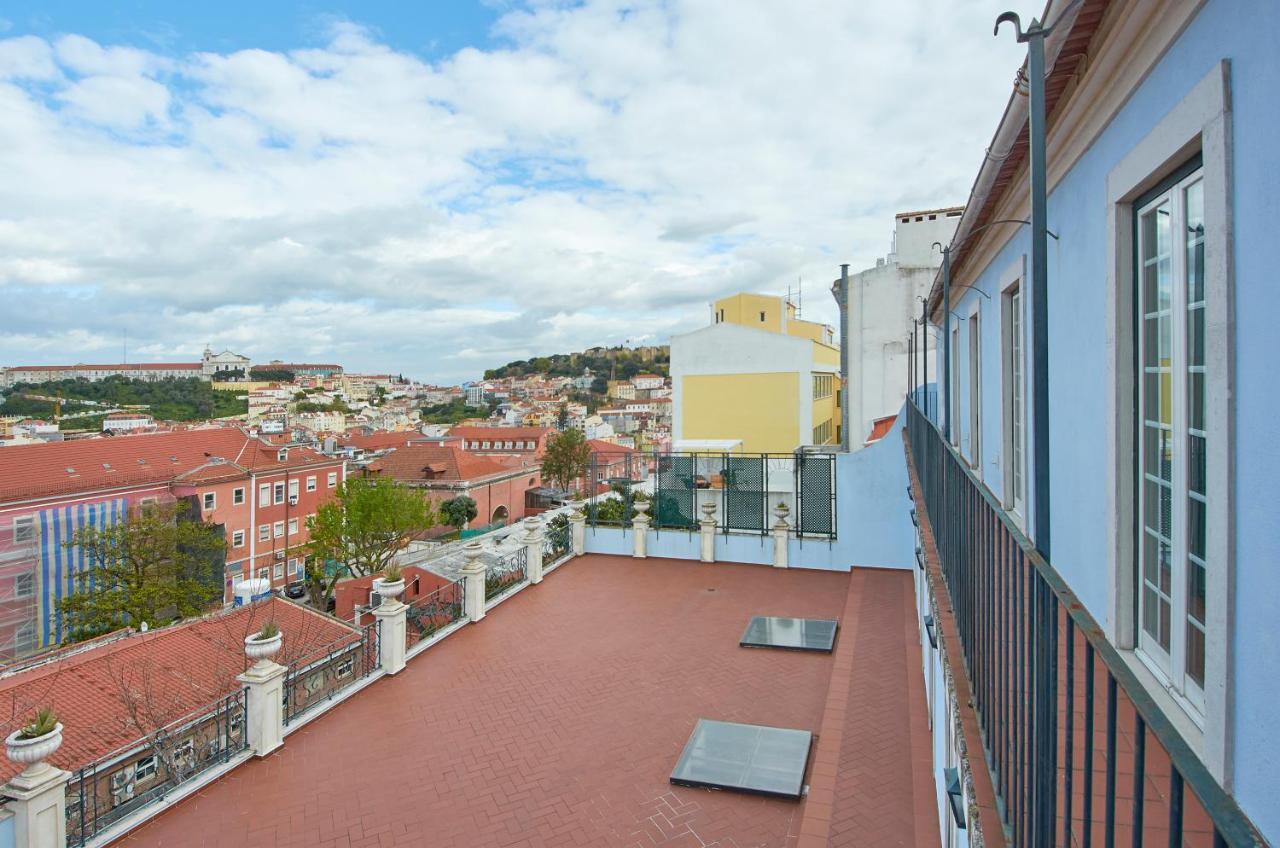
[{"x": 759, "y": 379}]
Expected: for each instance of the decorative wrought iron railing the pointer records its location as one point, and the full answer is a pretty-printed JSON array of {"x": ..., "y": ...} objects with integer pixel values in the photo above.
[
  {"x": 506, "y": 573},
  {"x": 1079, "y": 753},
  {"x": 557, "y": 542},
  {"x": 744, "y": 488},
  {"x": 433, "y": 612},
  {"x": 144, "y": 772},
  {"x": 322, "y": 674}
]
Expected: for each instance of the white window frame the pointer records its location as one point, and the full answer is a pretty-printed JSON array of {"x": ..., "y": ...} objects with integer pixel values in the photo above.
[
  {"x": 264, "y": 573},
  {"x": 237, "y": 539},
  {"x": 954, "y": 388},
  {"x": 277, "y": 529},
  {"x": 237, "y": 496},
  {"x": 264, "y": 532},
  {"x": 293, "y": 489},
  {"x": 144, "y": 769},
  {"x": 344, "y": 667},
  {"x": 311, "y": 483},
  {"x": 1013, "y": 390},
  {"x": 24, "y": 585},
  {"x": 279, "y": 571},
  {"x": 264, "y": 494},
  {"x": 277, "y": 492},
  {"x": 333, "y": 479},
  {"x": 973, "y": 365},
  {"x": 1171, "y": 664},
  {"x": 209, "y": 501},
  {"x": 293, "y": 526},
  {"x": 1200, "y": 121},
  {"x": 24, "y": 637}
]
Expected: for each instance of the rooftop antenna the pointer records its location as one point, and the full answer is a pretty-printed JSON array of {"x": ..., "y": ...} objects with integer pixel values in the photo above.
[{"x": 799, "y": 296}]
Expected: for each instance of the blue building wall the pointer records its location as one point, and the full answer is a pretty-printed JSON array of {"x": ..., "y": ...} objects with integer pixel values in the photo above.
[{"x": 1246, "y": 34}]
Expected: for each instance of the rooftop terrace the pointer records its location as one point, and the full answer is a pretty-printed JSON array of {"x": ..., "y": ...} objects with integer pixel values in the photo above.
[{"x": 558, "y": 722}]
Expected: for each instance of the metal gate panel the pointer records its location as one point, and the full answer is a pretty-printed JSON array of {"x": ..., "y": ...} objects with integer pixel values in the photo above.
[
  {"x": 744, "y": 493},
  {"x": 675, "y": 492},
  {"x": 815, "y": 490}
]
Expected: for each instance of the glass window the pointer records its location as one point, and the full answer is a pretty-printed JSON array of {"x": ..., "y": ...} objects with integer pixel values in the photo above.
[
  {"x": 264, "y": 494},
  {"x": 210, "y": 501},
  {"x": 264, "y": 532},
  {"x": 24, "y": 585},
  {"x": 1172, "y": 436},
  {"x": 1014, "y": 402},
  {"x": 279, "y": 529},
  {"x": 237, "y": 496},
  {"x": 24, "y": 529},
  {"x": 975, "y": 392},
  {"x": 293, "y": 525},
  {"x": 279, "y": 493},
  {"x": 333, "y": 479},
  {"x": 293, "y": 488},
  {"x": 237, "y": 539},
  {"x": 311, "y": 483}
]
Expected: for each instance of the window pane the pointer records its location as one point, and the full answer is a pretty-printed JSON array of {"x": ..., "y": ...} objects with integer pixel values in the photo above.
[{"x": 1193, "y": 202}]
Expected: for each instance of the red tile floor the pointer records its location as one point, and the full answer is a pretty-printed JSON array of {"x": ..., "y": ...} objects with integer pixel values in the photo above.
[{"x": 556, "y": 722}]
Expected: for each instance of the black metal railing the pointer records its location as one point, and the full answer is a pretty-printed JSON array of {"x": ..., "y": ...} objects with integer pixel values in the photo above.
[
  {"x": 121, "y": 783},
  {"x": 557, "y": 542},
  {"x": 745, "y": 489},
  {"x": 433, "y": 612},
  {"x": 1079, "y": 753},
  {"x": 506, "y": 573},
  {"x": 322, "y": 674}
]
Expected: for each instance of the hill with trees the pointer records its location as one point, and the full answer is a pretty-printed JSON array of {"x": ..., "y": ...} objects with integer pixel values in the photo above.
[
  {"x": 621, "y": 362},
  {"x": 187, "y": 399}
]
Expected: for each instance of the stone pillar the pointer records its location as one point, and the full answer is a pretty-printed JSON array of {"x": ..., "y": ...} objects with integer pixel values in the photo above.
[
  {"x": 578, "y": 525},
  {"x": 264, "y": 702},
  {"x": 473, "y": 573},
  {"x": 781, "y": 530},
  {"x": 640, "y": 531},
  {"x": 532, "y": 540},
  {"x": 37, "y": 798},
  {"x": 392, "y": 615},
  {"x": 707, "y": 529}
]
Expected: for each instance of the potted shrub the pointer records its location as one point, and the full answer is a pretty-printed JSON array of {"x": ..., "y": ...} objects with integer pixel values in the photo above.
[
  {"x": 391, "y": 584},
  {"x": 265, "y": 643},
  {"x": 639, "y": 502},
  {"x": 35, "y": 741},
  {"x": 782, "y": 510}
]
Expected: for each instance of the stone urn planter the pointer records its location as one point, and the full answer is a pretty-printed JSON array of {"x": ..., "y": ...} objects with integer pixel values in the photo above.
[
  {"x": 708, "y": 511},
  {"x": 388, "y": 589},
  {"x": 29, "y": 752},
  {"x": 782, "y": 511},
  {"x": 258, "y": 648},
  {"x": 641, "y": 507}
]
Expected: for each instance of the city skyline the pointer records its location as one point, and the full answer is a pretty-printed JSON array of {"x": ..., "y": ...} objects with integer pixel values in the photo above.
[{"x": 321, "y": 185}]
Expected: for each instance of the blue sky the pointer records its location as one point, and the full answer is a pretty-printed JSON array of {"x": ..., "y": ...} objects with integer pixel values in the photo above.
[
  {"x": 433, "y": 29},
  {"x": 437, "y": 188}
]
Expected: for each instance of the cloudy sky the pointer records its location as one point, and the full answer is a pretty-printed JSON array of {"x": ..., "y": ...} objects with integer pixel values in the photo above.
[{"x": 436, "y": 192}]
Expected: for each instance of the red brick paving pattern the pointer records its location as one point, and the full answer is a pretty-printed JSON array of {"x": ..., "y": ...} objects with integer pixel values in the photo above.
[{"x": 557, "y": 720}]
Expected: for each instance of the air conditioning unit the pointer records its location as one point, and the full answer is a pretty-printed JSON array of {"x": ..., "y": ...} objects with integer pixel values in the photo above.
[
  {"x": 279, "y": 554},
  {"x": 293, "y": 500},
  {"x": 122, "y": 780}
]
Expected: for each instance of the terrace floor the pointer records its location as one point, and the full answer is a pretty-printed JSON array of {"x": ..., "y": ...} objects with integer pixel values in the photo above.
[{"x": 557, "y": 720}]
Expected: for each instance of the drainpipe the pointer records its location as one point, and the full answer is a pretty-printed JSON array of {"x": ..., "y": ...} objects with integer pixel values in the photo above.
[{"x": 841, "y": 292}]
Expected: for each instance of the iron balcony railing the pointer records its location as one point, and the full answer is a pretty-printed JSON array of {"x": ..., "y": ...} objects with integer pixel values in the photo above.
[
  {"x": 322, "y": 674},
  {"x": 133, "y": 777},
  {"x": 433, "y": 612},
  {"x": 744, "y": 488},
  {"x": 1079, "y": 753},
  {"x": 557, "y": 541},
  {"x": 505, "y": 573}
]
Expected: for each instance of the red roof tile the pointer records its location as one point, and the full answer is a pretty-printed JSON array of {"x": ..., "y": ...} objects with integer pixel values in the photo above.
[
  {"x": 419, "y": 463},
  {"x": 180, "y": 671},
  {"x": 500, "y": 432},
  {"x": 880, "y": 428}
]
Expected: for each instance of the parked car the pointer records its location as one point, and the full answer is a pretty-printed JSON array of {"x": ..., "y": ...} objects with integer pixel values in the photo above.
[{"x": 296, "y": 590}]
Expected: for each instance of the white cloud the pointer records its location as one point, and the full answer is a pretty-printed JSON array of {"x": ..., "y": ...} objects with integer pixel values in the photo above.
[{"x": 600, "y": 176}]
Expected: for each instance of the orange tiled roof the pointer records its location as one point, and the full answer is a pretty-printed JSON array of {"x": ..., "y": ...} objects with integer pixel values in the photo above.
[
  {"x": 500, "y": 432},
  {"x": 131, "y": 366},
  {"x": 433, "y": 462},
  {"x": 33, "y": 471},
  {"x": 179, "y": 671},
  {"x": 880, "y": 428}
]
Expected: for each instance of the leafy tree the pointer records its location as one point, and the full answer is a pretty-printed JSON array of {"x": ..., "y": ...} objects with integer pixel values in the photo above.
[
  {"x": 362, "y": 529},
  {"x": 153, "y": 567},
  {"x": 562, "y": 417},
  {"x": 567, "y": 458},
  {"x": 456, "y": 512}
]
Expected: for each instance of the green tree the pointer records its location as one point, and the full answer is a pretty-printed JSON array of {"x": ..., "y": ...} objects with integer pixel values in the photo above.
[
  {"x": 567, "y": 458},
  {"x": 456, "y": 512},
  {"x": 153, "y": 567},
  {"x": 361, "y": 530}
]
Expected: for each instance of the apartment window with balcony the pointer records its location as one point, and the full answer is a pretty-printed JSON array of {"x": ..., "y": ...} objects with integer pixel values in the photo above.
[
  {"x": 1173, "y": 434},
  {"x": 237, "y": 539},
  {"x": 264, "y": 532},
  {"x": 24, "y": 529},
  {"x": 1014, "y": 390},
  {"x": 975, "y": 392},
  {"x": 210, "y": 501},
  {"x": 237, "y": 496},
  {"x": 264, "y": 494},
  {"x": 311, "y": 483}
]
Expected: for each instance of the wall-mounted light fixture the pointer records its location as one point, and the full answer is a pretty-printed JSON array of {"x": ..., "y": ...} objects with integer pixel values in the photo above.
[
  {"x": 931, "y": 629},
  {"x": 919, "y": 557}
]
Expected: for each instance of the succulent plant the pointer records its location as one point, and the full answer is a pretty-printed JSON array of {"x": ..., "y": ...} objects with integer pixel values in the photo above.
[
  {"x": 270, "y": 630},
  {"x": 43, "y": 723}
]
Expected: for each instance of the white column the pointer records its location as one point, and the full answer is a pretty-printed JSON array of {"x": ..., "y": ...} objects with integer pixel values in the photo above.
[
  {"x": 578, "y": 523},
  {"x": 707, "y": 530},
  {"x": 391, "y": 615},
  {"x": 781, "y": 531},
  {"x": 264, "y": 701},
  {"x": 640, "y": 531},
  {"x": 532, "y": 540},
  {"x": 37, "y": 798},
  {"x": 473, "y": 573}
]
